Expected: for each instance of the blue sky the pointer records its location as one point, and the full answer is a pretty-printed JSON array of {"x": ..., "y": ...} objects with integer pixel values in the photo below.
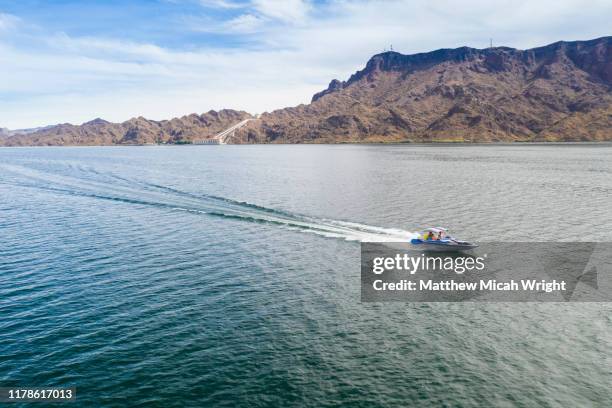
[{"x": 72, "y": 61}]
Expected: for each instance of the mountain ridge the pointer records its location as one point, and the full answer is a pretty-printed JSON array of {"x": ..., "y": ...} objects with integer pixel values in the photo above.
[
  {"x": 138, "y": 130},
  {"x": 390, "y": 60},
  {"x": 557, "y": 92}
]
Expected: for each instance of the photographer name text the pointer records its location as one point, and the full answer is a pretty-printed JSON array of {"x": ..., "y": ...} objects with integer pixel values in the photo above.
[{"x": 533, "y": 285}]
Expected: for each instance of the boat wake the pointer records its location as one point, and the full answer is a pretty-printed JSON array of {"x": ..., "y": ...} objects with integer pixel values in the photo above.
[{"x": 93, "y": 184}]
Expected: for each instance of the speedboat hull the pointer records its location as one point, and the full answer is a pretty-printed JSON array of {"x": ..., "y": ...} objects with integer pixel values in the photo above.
[{"x": 443, "y": 245}]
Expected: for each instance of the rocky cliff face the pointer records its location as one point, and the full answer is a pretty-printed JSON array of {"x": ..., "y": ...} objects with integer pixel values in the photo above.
[
  {"x": 562, "y": 91},
  {"x": 134, "y": 131}
]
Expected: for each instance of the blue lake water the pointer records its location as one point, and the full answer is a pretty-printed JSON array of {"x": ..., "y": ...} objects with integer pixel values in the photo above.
[{"x": 229, "y": 275}]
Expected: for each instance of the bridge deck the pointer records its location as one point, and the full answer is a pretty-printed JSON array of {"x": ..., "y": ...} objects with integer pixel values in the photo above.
[{"x": 222, "y": 137}]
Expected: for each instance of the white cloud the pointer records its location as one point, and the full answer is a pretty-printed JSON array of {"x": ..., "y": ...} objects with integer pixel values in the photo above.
[
  {"x": 54, "y": 77},
  {"x": 292, "y": 11},
  {"x": 284, "y": 10},
  {"x": 257, "y": 16},
  {"x": 98, "y": 47},
  {"x": 244, "y": 24},
  {"x": 224, "y": 4},
  {"x": 8, "y": 22}
]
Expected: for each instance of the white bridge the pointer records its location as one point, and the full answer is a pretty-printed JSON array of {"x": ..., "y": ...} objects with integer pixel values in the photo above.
[{"x": 222, "y": 138}]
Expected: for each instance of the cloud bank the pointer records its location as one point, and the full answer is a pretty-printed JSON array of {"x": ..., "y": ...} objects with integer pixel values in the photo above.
[{"x": 254, "y": 55}]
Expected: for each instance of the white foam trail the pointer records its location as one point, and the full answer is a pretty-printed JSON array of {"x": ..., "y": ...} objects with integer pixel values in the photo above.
[
  {"x": 346, "y": 230},
  {"x": 372, "y": 233}
]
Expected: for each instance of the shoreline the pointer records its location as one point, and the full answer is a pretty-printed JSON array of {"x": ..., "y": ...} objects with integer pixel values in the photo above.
[{"x": 394, "y": 143}]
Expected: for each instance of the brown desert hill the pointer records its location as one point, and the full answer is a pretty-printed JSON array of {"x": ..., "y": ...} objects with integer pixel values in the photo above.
[
  {"x": 134, "y": 131},
  {"x": 559, "y": 92}
]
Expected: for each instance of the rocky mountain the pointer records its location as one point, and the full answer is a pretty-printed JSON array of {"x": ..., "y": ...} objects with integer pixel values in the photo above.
[
  {"x": 134, "y": 131},
  {"x": 559, "y": 92},
  {"x": 562, "y": 91},
  {"x": 10, "y": 132}
]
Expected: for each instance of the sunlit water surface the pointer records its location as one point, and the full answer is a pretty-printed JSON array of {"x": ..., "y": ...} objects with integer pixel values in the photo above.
[{"x": 229, "y": 275}]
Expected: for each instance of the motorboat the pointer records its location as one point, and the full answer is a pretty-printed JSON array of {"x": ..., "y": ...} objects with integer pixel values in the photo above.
[{"x": 438, "y": 239}]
